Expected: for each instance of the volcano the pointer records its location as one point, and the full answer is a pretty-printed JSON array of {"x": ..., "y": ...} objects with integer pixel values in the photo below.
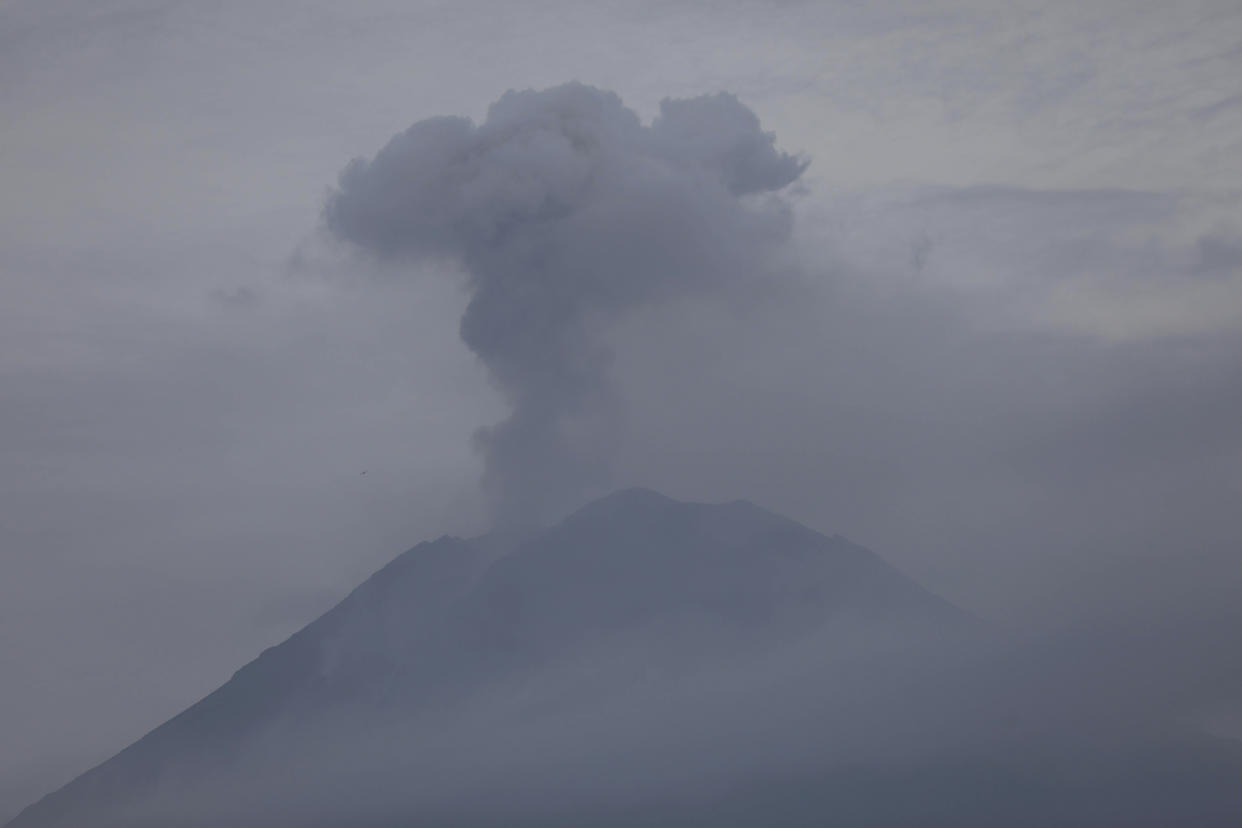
[{"x": 645, "y": 661}]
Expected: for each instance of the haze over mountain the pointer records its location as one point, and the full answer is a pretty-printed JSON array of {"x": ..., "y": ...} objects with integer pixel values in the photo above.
[
  {"x": 992, "y": 331},
  {"x": 645, "y": 660}
]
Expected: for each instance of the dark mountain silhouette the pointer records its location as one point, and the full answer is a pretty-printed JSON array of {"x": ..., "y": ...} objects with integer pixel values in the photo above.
[{"x": 644, "y": 662}]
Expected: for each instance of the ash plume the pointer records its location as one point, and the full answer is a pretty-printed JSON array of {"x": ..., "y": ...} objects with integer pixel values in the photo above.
[{"x": 566, "y": 212}]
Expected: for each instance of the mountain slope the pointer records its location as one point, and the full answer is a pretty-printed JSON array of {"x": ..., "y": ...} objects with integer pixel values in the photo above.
[
  {"x": 449, "y": 619},
  {"x": 652, "y": 662}
]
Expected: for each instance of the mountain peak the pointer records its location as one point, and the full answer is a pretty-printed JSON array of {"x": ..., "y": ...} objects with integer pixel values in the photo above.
[
  {"x": 631, "y": 501},
  {"x": 633, "y": 584}
]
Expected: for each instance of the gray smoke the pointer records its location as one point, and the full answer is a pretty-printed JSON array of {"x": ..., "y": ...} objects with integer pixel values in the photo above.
[{"x": 566, "y": 212}]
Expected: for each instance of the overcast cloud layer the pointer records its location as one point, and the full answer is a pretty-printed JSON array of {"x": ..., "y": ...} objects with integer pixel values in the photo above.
[{"x": 1002, "y": 349}]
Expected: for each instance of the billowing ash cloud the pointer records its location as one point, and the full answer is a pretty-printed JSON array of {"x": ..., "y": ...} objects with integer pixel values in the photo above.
[{"x": 566, "y": 211}]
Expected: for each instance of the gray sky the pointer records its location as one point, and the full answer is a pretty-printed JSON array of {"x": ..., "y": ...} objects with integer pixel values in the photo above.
[{"x": 1000, "y": 346}]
